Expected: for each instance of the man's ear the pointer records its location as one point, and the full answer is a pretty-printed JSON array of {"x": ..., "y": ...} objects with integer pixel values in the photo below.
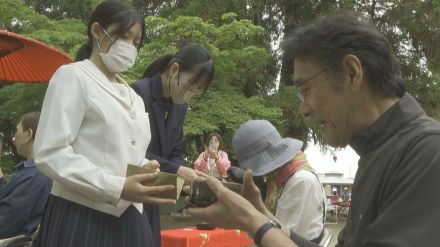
[
  {"x": 30, "y": 134},
  {"x": 353, "y": 67}
]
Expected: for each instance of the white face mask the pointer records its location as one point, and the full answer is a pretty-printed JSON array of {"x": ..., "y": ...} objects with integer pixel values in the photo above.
[
  {"x": 120, "y": 57},
  {"x": 214, "y": 145}
]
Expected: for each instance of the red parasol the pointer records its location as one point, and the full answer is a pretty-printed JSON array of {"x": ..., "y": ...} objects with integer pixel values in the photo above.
[{"x": 23, "y": 59}]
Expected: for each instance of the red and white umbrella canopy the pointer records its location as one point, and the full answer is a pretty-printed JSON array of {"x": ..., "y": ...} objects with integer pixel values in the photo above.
[{"x": 23, "y": 59}]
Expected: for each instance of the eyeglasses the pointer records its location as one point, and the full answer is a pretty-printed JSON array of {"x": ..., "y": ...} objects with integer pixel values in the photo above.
[{"x": 302, "y": 94}]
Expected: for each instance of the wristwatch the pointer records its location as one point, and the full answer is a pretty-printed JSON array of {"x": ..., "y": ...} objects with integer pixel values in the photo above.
[{"x": 263, "y": 229}]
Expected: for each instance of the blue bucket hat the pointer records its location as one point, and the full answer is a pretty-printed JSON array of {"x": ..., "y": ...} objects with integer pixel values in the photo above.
[{"x": 258, "y": 146}]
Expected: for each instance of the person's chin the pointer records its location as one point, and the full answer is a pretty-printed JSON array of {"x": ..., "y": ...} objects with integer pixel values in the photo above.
[{"x": 333, "y": 140}]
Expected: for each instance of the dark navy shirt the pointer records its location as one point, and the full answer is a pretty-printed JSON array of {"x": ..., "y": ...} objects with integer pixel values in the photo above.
[{"x": 22, "y": 200}]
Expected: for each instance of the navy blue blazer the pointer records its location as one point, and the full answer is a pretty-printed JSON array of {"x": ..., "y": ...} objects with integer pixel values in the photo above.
[{"x": 166, "y": 124}]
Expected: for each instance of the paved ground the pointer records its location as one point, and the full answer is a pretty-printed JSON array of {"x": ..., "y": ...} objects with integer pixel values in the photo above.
[
  {"x": 336, "y": 228},
  {"x": 170, "y": 222}
]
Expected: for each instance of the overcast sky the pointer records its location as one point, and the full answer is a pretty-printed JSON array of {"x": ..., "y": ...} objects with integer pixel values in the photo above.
[{"x": 346, "y": 160}]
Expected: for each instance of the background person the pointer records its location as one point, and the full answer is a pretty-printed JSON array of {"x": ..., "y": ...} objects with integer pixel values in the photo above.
[
  {"x": 92, "y": 126},
  {"x": 349, "y": 82},
  {"x": 167, "y": 85},
  {"x": 213, "y": 161},
  {"x": 23, "y": 197},
  {"x": 294, "y": 193}
]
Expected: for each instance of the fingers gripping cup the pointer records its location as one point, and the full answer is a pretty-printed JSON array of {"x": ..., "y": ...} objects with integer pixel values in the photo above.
[{"x": 201, "y": 195}]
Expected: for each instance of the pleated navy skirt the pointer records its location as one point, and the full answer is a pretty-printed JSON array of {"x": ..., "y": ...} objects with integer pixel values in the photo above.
[
  {"x": 153, "y": 213},
  {"x": 69, "y": 224}
]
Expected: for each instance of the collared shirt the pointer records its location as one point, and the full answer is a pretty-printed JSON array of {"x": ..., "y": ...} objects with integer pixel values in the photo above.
[
  {"x": 22, "y": 200},
  {"x": 394, "y": 203}
]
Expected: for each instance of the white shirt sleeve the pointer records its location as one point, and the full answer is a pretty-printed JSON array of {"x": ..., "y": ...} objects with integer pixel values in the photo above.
[
  {"x": 62, "y": 114},
  {"x": 300, "y": 206}
]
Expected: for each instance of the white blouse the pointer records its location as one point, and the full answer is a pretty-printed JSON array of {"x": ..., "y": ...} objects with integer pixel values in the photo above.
[
  {"x": 300, "y": 206},
  {"x": 87, "y": 134}
]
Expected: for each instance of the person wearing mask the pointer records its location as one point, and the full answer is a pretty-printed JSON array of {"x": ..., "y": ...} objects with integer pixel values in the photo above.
[
  {"x": 213, "y": 161},
  {"x": 349, "y": 84},
  {"x": 92, "y": 126},
  {"x": 23, "y": 197},
  {"x": 166, "y": 87}
]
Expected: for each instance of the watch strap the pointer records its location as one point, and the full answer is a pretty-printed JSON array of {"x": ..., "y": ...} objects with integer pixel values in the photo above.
[{"x": 263, "y": 229}]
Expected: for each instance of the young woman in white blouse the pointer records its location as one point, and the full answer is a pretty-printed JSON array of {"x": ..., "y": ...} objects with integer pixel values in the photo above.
[{"x": 92, "y": 126}]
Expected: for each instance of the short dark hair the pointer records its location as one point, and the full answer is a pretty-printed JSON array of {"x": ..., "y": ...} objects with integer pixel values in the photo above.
[
  {"x": 220, "y": 141},
  {"x": 107, "y": 13},
  {"x": 192, "y": 58},
  {"x": 30, "y": 121},
  {"x": 328, "y": 39}
]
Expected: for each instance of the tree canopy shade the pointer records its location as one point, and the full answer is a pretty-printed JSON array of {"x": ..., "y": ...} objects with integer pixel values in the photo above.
[
  {"x": 245, "y": 73},
  {"x": 412, "y": 26},
  {"x": 243, "y": 36}
]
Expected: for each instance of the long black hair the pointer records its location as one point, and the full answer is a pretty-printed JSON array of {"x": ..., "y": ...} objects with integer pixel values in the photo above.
[
  {"x": 192, "y": 58},
  {"x": 107, "y": 13}
]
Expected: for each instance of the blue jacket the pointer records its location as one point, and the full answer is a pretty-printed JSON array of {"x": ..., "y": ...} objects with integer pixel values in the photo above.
[
  {"x": 166, "y": 124},
  {"x": 22, "y": 200}
]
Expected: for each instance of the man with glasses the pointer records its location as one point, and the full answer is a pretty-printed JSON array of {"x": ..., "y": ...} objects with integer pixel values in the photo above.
[{"x": 349, "y": 84}]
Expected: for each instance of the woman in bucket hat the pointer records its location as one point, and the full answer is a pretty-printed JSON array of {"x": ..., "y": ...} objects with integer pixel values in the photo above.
[{"x": 294, "y": 193}]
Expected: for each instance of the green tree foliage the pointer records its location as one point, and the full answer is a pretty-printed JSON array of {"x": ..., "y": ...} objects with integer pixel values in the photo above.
[
  {"x": 417, "y": 44},
  {"x": 16, "y": 100},
  {"x": 154, "y": 7},
  {"x": 78, "y": 9},
  {"x": 222, "y": 110},
  {"x": 243, "y": 36},
  {"x": 245, "y": 72},
  {"x": 66, "y": 34},
  {"x": 15, "y": 16},
  {"x": 412, "y": 26}
]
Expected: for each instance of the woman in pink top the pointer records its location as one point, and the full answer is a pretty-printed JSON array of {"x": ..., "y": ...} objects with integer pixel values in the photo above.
[{"x": 213, "y": 161}]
